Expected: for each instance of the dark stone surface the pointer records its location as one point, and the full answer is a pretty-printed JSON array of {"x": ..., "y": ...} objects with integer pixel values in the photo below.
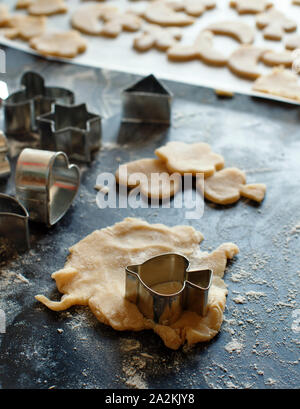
[{"x": 263, "y": 138}]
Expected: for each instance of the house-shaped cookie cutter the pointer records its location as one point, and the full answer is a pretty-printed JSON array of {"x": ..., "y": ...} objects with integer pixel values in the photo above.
[
  {"x": 4, "y": 162},
  {"x": 71, "y": 129},
  {"x": 34, "y": 99},
  {"x": 46, "y": 184},
  {"x": 14, "y": 222},
  {"x": 163, "y": 287},
  {"x": 147, "y": 101}
]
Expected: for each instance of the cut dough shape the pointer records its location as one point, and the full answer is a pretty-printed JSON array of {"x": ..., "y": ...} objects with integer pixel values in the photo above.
[
  {"x": 293, "y": 42},
  {"x": 160, "y": 13},
  {"x": 194, "y": 8},
  {"x": 25, "y": 27},
  {"x": 43, "y": 7},
  {"x": 202, "y": 49},
  {"x": 280, "y": 82},
  {"x": 228, "y": 185},
  {"x": 190, "y": 158},
  {"x": 151, "y": 186},
  {"x": 87, "y": 18},
  {"x": 296, "y": 2},
  {"x": 94, "y": 275},
  {"x": 250, "y": 6},
  {"x": 275, "y": 58},
  {"x": 157, "y": 37},
  {"x": 274, "y": 23},
  {"x": 66, "y": 44},
  {"x": 4, "y": 15},
  {"x": 243, "y": 62},
  {"x": 115, "y": 23},
  {"x": 236, "y": 29}
]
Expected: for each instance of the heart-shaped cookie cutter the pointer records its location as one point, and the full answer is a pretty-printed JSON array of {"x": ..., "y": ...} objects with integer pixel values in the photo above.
[
  {"x": 46, "y": 184},
  {"x": 163, "y": 287},
  {"x": 14, "y": 222},
  {"x": 21, "y": 108},
  {"x": 4, "y": 162}
]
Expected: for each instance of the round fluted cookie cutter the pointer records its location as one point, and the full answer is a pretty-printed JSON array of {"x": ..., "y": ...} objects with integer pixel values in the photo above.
[{"x": 46, "y": 184}]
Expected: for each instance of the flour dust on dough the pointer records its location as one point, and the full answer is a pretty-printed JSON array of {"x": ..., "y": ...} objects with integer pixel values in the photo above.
[{"x": 94, "y": 275}]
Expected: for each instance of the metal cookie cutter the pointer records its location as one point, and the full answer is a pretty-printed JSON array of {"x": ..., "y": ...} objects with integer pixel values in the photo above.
[
  {"x": 14, "y": 222},
  {"x": 71, "y": 129},
  {"x": 147, "y": 101},
  {"x": 23, "y": 107},
  {"x": 162, "y": 287},
  {"x": 4, "y": 162},
  {"x": 46, "y": 184}
]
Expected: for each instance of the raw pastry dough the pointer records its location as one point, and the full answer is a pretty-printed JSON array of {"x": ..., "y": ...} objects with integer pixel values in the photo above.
[
  {"x": 116, "y": 22},
  {"x": 280, "y": 82},
  {"x": 274, "y": 23},
  {"x": 202, "y": 49},
  {"x": 274, "y": 58},
  {"x": 157, "y": 37},
  {"x": 4, "y": 16},
  {"x": 65, "y": 44},
  {"x": 293, "y": 42},
  {"x": 87, "y": 18},
  {"x": 244, "y": 61},
  {"x": 250, "y": 6},
  {"x": 25, "y": 27},
  {"x": 43, "y": 7},
  {"x": 190, "y": 158},
  {"x": 154, "y": 188},
  {"x": 194, "y": 8},
  {"x": 94, "y": 275},
  {"x": 228, "y": 185},
  {"x": 236, "y": 29},
  {"x": 160, "y": 13}
]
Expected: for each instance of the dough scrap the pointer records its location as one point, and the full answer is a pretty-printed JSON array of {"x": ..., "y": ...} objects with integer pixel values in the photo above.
[
  {"x": 202, "y": 49},
  {"x": 66, "y": 44},
  {"x": 275, "y": 58},
  {"x": 193, "y": 8},
  {"x": 228, "y": 185},
  {"x": 4, "y": 15},
  {"x": 94, "y": 275},
  {"x": 25, "y": 27},
  {"x": 190, "y": 158},
  {"x": 243, "y": 62},
  {"x": 165, "y": 15},
  {"x": 236, "y": 29},
  {"x": 250, "y": 6},
  {"x": 150, "y": 185},
  {"x": 293, "y": 42},
  {"x": 274, "y": 23},
  {"x": 43, "y": 7},
  {"x": 157, "y": 37},
  {"x": 280, "y": 82},
  {"x": 87, "y": 18}
]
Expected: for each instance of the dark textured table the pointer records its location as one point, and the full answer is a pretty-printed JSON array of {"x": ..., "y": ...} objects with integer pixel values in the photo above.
[{"x": 258, "y": 346}]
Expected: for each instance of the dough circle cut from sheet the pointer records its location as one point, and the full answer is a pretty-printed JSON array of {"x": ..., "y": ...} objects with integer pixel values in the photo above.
[{"x": 94, "y": 275}]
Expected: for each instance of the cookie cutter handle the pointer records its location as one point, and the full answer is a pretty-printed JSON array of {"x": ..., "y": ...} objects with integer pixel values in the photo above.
[{"x": 196, "y": 291}]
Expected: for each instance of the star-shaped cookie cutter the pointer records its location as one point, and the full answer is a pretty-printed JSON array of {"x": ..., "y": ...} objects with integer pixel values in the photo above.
[
  {"x": 46, "y": 184},
  {"x": 163, "y": 287},
  {"x": 14, "y": 222},
  {"x": 71, "y": 129},
  {"x": 4, "y": 162},
  {"x": 147, "y": 101},
  {"x": 34, "y": 99}
]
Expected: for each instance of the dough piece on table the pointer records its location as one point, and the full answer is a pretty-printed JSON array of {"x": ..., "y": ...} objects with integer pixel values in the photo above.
[
  {"x": 244, "y": 61},
  {"x": 94, "y": 275},
  {"x": 280, "y": 82},
  {"x": 190, "y": 158},
  {"x": 43, "y": 7},
  {"x": 153, "y": 178},
  {"x": 157, "y": 37},
  {"x": 275, "y": 58},
  {"x": 25, "y": 27},
  {"x": 274, "y": 23},
  {"x": 65, "y": 44},
  {"x": 87, "y": 18},
  {"x": 194, "y": 8},
  {"x": 296, "y": 2},
  {"x": 160, "y": 13},
  {"x": 236, "y": 29},
  {"x": 202, "y": 49},
  {"x": 250, "y": 6},
  {"x": 4, "y": 15},
  {"x": 228, "y": 185},
  {"x": 115, "y": 23},
  {"x": 293, "y": 42}
]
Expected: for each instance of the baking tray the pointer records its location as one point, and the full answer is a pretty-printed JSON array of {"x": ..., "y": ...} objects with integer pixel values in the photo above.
[{"x": 258, "y": 345}]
